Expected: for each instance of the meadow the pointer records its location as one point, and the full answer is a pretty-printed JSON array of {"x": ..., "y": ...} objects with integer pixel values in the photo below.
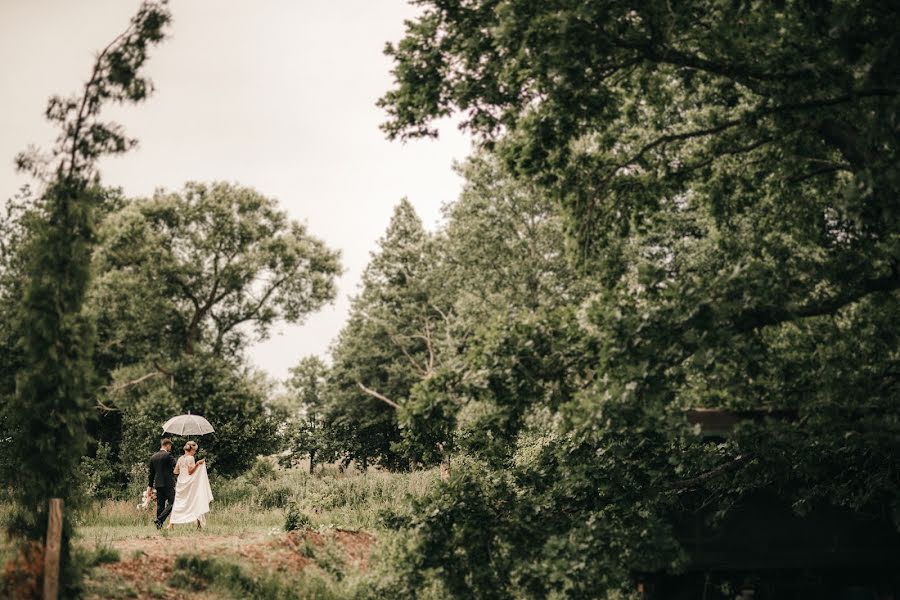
[{"x": 272, "y": 533}]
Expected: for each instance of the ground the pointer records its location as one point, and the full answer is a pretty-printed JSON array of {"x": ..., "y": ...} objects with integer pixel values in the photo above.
[
  {"x": 330, "y": 558},
  {"x": 147, "y": 562}
]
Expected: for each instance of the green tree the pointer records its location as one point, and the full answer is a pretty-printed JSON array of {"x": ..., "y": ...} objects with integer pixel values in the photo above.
[
  {"x": 201, "y": 269},
  {"x": 302, "y": 408},
  {"x": 387, "y": 346},
  {"x": 731, "y": 186},
  {"x": 50, "y": 410},
  {"x": 506, "y": 289},
  {"x": 198, "y": 273}
]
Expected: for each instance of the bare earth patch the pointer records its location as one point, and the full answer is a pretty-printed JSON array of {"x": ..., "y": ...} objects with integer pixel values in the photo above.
[{"x": 147, "y": 563}]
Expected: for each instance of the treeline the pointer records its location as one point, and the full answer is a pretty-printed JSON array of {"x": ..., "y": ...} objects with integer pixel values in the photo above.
[{"x": 456, "y": 340}]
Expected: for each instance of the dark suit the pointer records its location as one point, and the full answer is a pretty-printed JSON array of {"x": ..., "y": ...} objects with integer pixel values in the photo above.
[{"x": 162, "y": 477}]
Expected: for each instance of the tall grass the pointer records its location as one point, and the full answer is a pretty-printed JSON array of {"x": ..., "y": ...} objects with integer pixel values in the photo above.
[
  {"x": 348, "y": 500},
  {"x": 258, "y": 501}
]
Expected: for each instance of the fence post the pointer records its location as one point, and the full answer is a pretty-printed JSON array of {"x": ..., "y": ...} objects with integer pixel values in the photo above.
[{"x": 52, "y": 549}]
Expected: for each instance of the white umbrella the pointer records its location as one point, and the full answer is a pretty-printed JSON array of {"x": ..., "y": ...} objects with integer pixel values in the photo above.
[{"x": 188, "y": 425}]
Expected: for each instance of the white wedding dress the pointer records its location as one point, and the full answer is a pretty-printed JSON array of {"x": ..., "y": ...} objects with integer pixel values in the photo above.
[{"x": 192, "y": 493}]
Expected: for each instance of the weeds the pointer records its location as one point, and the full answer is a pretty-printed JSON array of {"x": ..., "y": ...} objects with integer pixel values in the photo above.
[
  {"x": 100, "y": 554},
  {"x": 195, "y": 574},
  {"x": 296, "y": 519}
]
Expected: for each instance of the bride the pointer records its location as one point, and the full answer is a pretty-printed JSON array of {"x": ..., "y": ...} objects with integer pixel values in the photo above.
[{"x": 192, "y": 491}]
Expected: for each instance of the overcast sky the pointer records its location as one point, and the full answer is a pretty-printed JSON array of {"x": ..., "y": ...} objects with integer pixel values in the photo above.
[{"x": 274, "y": 94}]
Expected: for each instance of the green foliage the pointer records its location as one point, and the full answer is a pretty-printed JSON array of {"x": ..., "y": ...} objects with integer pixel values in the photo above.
[
  {"x": 424, "y": 325},
  {"x": 301, "y": 410},
  {"x": 386, "y": 346},
  {"x": 208, "y": 386},
  {"x": 516, "y": 363},
  {"x": 183, "y": 280},
  {"x": 262, "y": 470},
  {"x": 197, "y": 270},
  {"x": 295, "y": 519},
  {"x": 531, "y": 531},
  {"x": 49, "y": 413},
  {"x": 729, "y": 174},
  {"x": 100, "y": 474}
]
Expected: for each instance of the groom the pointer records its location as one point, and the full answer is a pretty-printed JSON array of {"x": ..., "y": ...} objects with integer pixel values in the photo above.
[{"x": 162, "y": 477}]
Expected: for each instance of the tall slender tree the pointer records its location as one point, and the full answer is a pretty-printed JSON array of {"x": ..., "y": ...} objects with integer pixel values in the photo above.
[
  {"x": 51, "y": 407},
  {"x": 387, "y": 345}
]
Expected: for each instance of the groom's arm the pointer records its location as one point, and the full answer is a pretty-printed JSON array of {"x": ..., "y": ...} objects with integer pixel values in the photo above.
[{"x": 150, "y": 477}]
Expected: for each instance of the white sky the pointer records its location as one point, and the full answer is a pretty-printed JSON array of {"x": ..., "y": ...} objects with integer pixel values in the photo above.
[{"x": 275, "y": 94}]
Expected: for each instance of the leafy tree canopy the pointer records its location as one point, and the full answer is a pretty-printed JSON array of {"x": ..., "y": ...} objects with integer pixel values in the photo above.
[
  {"x": 198, "y": 268},
  {"x": 731, "y": 187}
]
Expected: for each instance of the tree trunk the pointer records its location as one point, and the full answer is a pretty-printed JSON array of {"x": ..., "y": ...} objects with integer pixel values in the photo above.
[
  {"x": 365, "y": 464},
  {"x": 312, "y": 460},
  {"x": 193, "y": 330}
]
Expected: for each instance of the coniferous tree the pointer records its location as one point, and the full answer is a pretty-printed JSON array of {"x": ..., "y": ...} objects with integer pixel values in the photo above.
[{"x": 386, "y": 347}]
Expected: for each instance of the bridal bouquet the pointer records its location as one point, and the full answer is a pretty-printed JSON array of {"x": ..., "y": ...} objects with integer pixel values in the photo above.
[{"x": 148, "y": 498}]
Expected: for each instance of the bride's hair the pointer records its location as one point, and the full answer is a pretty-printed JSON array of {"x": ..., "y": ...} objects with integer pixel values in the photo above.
[{"x": 189, "y": 445}]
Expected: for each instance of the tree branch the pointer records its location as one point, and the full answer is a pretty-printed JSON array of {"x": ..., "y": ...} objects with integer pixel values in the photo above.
[
  {"x": 754, "y": 319},
  {"x": 765, "y": 112},
  {"x": 711, "y": 474},
  {"x": 252, "y": 312},
  {"x": 75, "y": 133},
  {"x": 133, "y": 382},
  {"x": 415, "y": 364},
  {"x": 375, "y": 394}
]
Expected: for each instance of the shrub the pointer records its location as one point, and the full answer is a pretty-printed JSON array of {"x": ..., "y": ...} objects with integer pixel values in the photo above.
[
  {"x": 261, "y": 470},
  {"x": 296, "y": 519},
  {"x": 100, "y": 481},
  {"x": 100, "y": 554}
]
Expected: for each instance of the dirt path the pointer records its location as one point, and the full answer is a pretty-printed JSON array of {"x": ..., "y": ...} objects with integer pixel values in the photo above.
[{"x": 167, "y": 546}]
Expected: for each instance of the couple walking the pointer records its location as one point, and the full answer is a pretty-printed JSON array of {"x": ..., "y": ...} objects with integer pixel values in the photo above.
[{"x": 187, "y": 499}]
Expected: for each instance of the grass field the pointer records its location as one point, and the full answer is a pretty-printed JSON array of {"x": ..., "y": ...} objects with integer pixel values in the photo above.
[{"x": 245, "y": 552}]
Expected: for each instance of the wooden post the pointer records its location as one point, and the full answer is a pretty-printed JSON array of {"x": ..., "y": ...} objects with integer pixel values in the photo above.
[{"x": 52, "y": 550}]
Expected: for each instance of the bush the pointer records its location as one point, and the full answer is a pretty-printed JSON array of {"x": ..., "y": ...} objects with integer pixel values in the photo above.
[
  {"x": 262, "y": 469},
  {"x": 100, "y": 480},
  {"x": 296, "y": 519}
]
